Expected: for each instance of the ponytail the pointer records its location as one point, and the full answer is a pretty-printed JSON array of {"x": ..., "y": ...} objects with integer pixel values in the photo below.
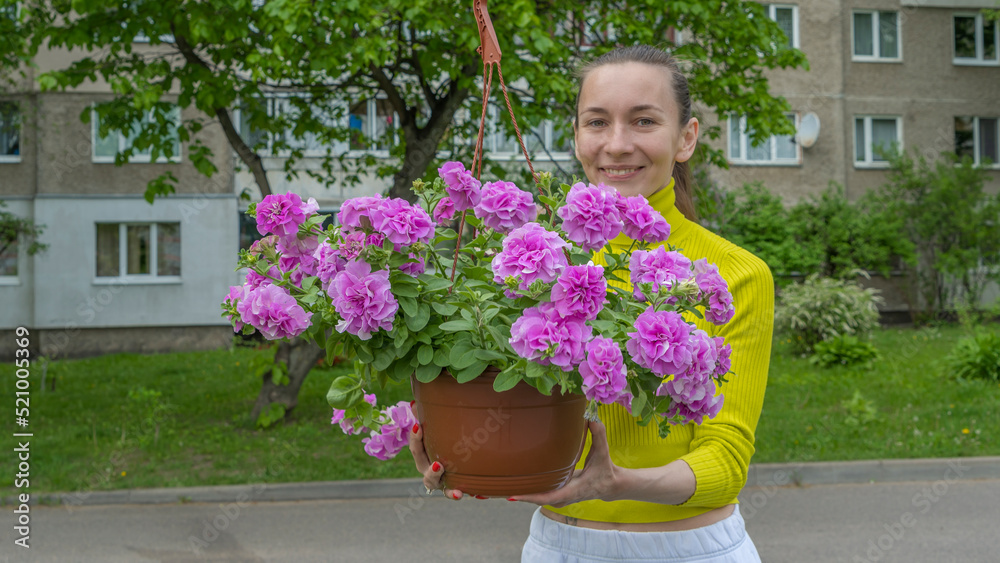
[{"x": 684, "y": 190}]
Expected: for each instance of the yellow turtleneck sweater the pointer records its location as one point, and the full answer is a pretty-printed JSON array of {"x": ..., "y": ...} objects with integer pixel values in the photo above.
[{"x": 719, "y": 450}]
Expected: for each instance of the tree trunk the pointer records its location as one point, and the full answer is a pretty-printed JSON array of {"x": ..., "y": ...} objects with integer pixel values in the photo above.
[{"x": 299, "y": 356}]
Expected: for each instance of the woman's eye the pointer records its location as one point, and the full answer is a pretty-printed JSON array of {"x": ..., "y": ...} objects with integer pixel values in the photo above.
[
  {"x": 645, "y": 122},
  {"x": 596, "y": 123}
]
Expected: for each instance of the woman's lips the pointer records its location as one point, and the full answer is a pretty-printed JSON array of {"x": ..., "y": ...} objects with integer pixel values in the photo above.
[{"x": 621, "y": 173}]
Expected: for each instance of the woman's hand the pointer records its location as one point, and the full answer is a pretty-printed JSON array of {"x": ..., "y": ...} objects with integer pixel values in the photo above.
[
  {"x": 432, "y": 471},
  {"x": 597, "y": 479}
]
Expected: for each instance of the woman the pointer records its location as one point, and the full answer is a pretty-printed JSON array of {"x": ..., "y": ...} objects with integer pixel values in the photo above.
[{"x": 638, "y": 497}]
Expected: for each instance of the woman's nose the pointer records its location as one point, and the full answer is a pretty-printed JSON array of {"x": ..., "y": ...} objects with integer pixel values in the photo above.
[{"x": 620, "y": 140}]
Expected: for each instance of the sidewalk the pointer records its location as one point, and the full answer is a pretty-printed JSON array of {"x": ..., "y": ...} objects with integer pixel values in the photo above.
[
  {"x": 913, "y": 511},
  {"x": 763, "y": 475}
]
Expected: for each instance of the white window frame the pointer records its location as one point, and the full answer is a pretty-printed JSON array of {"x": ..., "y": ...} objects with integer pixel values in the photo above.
[
  {"x": 772, "y": 11},
  {"x": 877, "y": 57},
  {"x": 978, "y": 60},
  {"x": 154, "y": 253},
  {"x": 976, "y": 149},
  {"x": 745, "y": 145},
  {"x": 123, "y": 144},
  {"x": 14, "y": 158},
  {"x": 370, "y": 134},
  {"x": 494, "y": 132},
  {"x": 869, "y": 161}
]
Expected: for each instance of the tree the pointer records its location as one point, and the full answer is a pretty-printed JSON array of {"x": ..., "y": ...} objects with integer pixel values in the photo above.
[
  {"x": 18, "y": 230},
  {"x": 217, "y": 55}
]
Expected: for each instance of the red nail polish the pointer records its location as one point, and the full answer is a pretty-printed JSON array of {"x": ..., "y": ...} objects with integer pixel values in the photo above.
[
  {"x": 413, "y": 403},
  {"x": 480, "y": 497},
  {"x": 435, "y": 467},
  {"x": 512, "y": 499},
  {"x": 455, "y": 496},
  {"x": 416, "y": 427}
]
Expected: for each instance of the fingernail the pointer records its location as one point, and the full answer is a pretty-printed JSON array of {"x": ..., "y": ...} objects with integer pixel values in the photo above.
[
  {"x": 435, "y": 467},
  {"x": 416, "y": 427},
  {"x": 512, "y": 499},
  {"x": 413, "y": 403},
  {"x": 455, "y": 495},
  {"x": 480, "y": 497}
]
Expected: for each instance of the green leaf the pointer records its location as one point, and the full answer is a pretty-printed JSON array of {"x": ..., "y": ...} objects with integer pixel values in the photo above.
[
  {"x": 470, "y": 372},
  {"x": 419, "y": 320},
  {"x": 442, "y": 357},
  {"x": 444, "y": 309},
  {"x": 344, "y": 393},
  {"x": 487, "y": 355},
  {"x": 462, "y": 355},
  {"x": 534, "y": 371},
  {"x": 364, "y": 354},
  {"x": 405, "y": 290},
  {"x": 506, "y": 380},
  {"x": 425, "y": 355},
  {"x": 434, "y": 283},
  {"x": 457, "y": 326},
  {"x": 383, "y": 358},
  {"x": 427, "y": 373},
  {"x": 409, "y": 306}
]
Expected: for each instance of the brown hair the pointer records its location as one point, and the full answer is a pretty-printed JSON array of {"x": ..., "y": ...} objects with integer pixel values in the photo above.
[{"x": 652, "y": 56}]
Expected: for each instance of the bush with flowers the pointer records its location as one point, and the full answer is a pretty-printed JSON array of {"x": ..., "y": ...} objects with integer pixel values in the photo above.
[{"x": 395, "y": 285}]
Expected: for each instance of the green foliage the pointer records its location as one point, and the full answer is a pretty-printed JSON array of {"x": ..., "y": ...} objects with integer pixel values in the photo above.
[
  {"x": 418, "y": 54},
  {"x": 820, "y": 309},
  {"x": 860, "y": 411},
  {"x": 14, "y": 229},
  {"x": 976, "y": 357},
  {"x": 849, "y": 236},
  {"x": 145, "y": 412},
  {"x": 946, "y": 212},
  {"x": 275, "y": 412},
  {"x": 826, "y": 235},
  {"x": 844, "y": 350}
]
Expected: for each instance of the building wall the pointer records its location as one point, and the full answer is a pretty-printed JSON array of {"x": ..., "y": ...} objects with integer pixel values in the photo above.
[
  {"x": 17, "y": 295},
  {"x": 69, "y": 294}
]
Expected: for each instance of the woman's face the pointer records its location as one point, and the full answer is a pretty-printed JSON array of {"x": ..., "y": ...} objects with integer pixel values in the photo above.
[{"x": 628, "y": 132}]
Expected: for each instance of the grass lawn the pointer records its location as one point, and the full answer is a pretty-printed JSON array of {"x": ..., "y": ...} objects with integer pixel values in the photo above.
[{"x": 90, "y": 434}]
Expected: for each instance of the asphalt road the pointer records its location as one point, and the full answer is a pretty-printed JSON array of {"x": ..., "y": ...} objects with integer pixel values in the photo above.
[{"x": 940, "y": 521}]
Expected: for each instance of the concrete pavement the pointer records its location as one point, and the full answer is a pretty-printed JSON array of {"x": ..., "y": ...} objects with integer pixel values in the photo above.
[{"x": 913, "y": 511}]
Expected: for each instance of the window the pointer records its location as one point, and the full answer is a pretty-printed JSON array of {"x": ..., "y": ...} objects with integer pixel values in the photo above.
[
  {"x": 543, "y": 140},
  {"x": 107, "y": 148},
  {"x": 8, "y": 259},
  {"x": 10, "y": 132},
  {"x": 876, "y": 36},
  {"x": 975, "y": 40},
  {"x": 139, "y": 250},
  {"x": 373, "y": 125},
  {"x": 787, "y": 18},
  {"x": 777, "y": 149},
  {"x": 873, "y": 136},
  {"x": 977, "y": 137}
]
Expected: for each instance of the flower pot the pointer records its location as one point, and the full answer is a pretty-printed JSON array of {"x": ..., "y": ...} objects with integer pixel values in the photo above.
[{"x": 500, "y": 444}]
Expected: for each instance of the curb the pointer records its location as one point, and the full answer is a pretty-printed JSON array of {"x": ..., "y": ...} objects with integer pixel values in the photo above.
[{"x": 759, "y": 475}]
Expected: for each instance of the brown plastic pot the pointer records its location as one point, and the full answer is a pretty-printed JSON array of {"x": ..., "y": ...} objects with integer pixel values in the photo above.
[{"x": 499, "y": 444}]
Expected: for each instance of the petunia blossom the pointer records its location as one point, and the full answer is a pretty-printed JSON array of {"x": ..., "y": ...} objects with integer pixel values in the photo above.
[
  {"x": 660, "y": 342},
  {"x": 504, "y": 207},
  {"x": 462, "y": 187},
  {"x": 281, "y": 214},
  {"x": 363, "y": 299},
  {"x": 530, "y": 253},
  {"x": 394, "y": 435},
  {"x": 275, "y": 313},
  {"x": 357, "y": 210},
  {"x": 603, "y": 372},
  {"x": 715, "y": 289},
  {"x": 641, "y": 221},
  {"x": 401, "y": 222},
  {"x": 660, "y": 267},
  {"x": 444, "y": 210},
  {"x": 590, "y": 217},
  {"x": 580, "y": 291},
  {"x": 542, "y": 336}
]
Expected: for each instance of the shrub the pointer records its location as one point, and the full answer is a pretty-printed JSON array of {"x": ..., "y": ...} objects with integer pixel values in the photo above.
[
  {"x": 823, "y": 308},
  {"x": 845, "y": 350},
  {"x": 976, "y": 357},
  {"x": 860, "y": 410}
]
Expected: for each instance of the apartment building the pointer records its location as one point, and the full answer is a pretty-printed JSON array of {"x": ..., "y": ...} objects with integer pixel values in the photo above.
[
  {"x": 119, "y": 274},
  {"x": 923, "y": 74}
]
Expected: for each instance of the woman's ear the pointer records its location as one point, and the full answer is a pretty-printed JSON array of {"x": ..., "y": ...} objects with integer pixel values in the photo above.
[{"x": 689, "y": 140}]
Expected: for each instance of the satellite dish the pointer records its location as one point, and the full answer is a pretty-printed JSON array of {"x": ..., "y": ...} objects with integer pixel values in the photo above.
[{"x": 808, "y": 130}]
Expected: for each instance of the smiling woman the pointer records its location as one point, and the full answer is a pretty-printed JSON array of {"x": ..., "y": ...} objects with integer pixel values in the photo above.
[{"x": 673, "y": 498}]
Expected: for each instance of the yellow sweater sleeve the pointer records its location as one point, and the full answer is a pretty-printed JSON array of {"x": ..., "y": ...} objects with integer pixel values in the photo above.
[{"x": 721, "y": 447}]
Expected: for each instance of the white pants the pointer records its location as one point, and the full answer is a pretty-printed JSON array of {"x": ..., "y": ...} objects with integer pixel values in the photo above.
[{"x": 723, "y": 542}]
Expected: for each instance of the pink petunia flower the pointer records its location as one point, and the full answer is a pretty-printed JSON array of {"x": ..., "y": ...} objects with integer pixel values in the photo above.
[
  {"x": 580, "y": 291},
  {"x": 530, "y": 253},
  {"x": 660, "y": 267},
  {"x": 275, "y": 313},
  {"x": 720, "y": 308},
  {"x": 504, "y": 207},
  {"x": 281, "y": 214},
  {"x": 402, "y": 223},
  {"x": 660, "y": 342},
  {"x": 590, "y": 217},
  {"x": 641, "y": 221},
  {"x": 603, "y": 372},
  {"x": 462, "y": 187},
  {"x": 363, "y": 299},
  {"x": 542, "y": 336}
]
